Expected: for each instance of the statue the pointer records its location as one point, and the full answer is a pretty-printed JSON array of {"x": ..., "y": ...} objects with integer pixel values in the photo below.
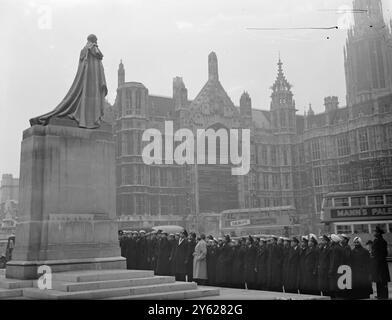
[{"x": 85, "y": 100}]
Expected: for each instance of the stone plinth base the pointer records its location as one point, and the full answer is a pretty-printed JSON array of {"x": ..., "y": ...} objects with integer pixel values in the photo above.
[
  {"x": 67, "y": 206},
  {"x": 29, "y": 269}
]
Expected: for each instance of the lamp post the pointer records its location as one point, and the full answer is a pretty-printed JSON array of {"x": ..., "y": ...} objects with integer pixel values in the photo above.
[
  {"x": 196, "y": 197},
  {"x": 196, "y": 175}
]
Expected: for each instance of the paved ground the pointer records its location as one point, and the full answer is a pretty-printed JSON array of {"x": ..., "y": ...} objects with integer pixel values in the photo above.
[
  {"x": 242, "y": 294},
  {"x": 373, "y": 296}
]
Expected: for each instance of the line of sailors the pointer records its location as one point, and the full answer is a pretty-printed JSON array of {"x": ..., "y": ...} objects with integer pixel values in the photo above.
[{"x": 307, "y": 265}]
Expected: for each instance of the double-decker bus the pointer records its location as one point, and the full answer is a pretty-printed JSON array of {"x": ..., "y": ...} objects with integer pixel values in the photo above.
[
  {"x": 280, "y": 221},
  {"x": 359, "y": 213}
]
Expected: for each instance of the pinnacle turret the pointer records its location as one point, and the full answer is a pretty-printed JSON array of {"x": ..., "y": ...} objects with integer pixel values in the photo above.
[
  {"x": 121, "y": 74},
  {"x": 213, "y": 67}
]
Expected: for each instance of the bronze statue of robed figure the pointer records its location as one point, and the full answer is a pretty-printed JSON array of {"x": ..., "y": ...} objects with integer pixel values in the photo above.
[{"x": 85, "y": 100}]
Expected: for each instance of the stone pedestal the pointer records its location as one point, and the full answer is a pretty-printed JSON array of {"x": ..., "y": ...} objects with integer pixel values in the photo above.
[{"x": 67, "y": 201}]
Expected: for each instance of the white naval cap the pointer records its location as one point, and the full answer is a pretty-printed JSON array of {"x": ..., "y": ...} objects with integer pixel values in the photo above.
[
  {"x": 345, "y": 236},
  {"x": 335, "y": 238},
  {"x": 312, "y": 236},
  {"x": 358, "y": 239}
]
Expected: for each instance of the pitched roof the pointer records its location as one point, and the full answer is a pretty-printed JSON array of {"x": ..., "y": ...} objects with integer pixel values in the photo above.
[
  {"x": 261, "y": 118},
  {"x": 160, "y": 106},
  {"x": 214, "y": 96}
]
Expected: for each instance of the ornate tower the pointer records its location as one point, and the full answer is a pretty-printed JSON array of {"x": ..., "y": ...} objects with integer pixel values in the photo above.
[
  {"x": 132, "y": 174},
  {"x": 180, "y": 94},
  {"x": 282, "y": 104},
  {"x": 120, "y": 74},
  {"x": 368, "y": 54},
  {"x": 246, "y": 110},
  {"x": 213, "y": 67},
  {"x": 180, "y": 101},
  {"x": 246, "y": 105}
]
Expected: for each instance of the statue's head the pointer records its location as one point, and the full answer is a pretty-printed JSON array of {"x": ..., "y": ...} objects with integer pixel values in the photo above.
[{"x": 92, "y": 38}]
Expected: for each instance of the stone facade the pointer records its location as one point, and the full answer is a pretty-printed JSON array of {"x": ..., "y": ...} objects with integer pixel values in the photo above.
[
  {"x": 9, "y": 196},
  {"x": 9, "y": 188},
  {"x": 295, "y": 159}
]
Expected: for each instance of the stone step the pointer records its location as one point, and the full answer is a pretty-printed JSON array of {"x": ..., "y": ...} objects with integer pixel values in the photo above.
[
  {"x": 16, "y": 298},
  {"x": 178, "y": 295},
  {"x": 97, "y": 285},
  {"x": 15, "y": 283},
  {"x": 10, "y": 293},
  {"x": 36, "y": 293},
  {"x": 100, "y": 275}
]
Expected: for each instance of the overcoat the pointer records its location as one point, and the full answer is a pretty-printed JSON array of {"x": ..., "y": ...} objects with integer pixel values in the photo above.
[
  {"x": 189, "y": 260},
  {"x": 346, "y": 250},
  {"x": 173, "y": 245},
  {"x": 180, "y": 256},
  {"x": 285, "y": 265},
  {"x": 123, "y": 248},
  {"x": 200, "y": 260},
  {"x": 237, "y": 271},
  {"x": 131, "y": 253},
  {"x": 322, "y": 272},
  {"x": 301, "y": 269},
  {"x": 336, "y": 259},
  {"x": 163, "y": 260},
  {"x": 380, "y": 265},
  {"x": 250, "y": 264},
  {"x": 291, "y": 284},
  {"x": 142, "y": 254},
  {"x": 361, "y": 277},
  {"x": 309, "y": 273},
  {"x": 262, "y": 268},
  {"x": 211, "y": 264},
  {"x": 224, "y": 265},
  {"x": 275, "y": 267},
  {"x": 152, "y": 253}
]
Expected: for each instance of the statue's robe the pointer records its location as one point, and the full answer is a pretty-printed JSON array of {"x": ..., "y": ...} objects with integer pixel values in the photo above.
[{"x": 85, "y": 99}]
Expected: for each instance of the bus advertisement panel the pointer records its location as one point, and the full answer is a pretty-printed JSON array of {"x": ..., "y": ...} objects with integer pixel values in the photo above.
[
  {"x": 359, "y": 213},
  {"x": 278, "y": 221}
]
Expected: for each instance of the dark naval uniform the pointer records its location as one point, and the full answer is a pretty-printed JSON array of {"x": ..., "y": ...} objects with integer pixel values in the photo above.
[
  {"x": 189, "y": 261},
  {"x": 262, "y": 268},
  {"x": 211, "y": 265},
  {"x": 361, "y": 283},
  {"x": 131, "y": 253},
  {"x": 249, "y": 266},
  {"x": 285, "y": 266},
  {"x": 381, "y": 272},
  {"x": 237, "y": 272},
  {"x": 291, "y": 284},
  {"x": 180, "y": 256},
  {"x": 223, "y": 266},
  {"x": 275, "y": 268},
  {"x": 322, "y": 273},
  {"x": 163, "y": 259},
  {"x": 335, "y": 261},
  {"x": 309, "y": 273},
  {"x": 142, "y": 252}
]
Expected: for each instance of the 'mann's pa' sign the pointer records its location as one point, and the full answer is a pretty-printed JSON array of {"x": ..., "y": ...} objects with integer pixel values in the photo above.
[{"x": 361, "y": 212}]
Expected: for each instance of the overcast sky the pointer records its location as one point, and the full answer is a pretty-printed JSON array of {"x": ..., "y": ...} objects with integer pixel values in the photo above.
[{"x": 158, "y": 40}]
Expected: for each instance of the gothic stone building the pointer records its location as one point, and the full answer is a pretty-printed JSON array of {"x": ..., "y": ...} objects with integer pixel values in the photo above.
[{"x": 295, "y": 159}]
